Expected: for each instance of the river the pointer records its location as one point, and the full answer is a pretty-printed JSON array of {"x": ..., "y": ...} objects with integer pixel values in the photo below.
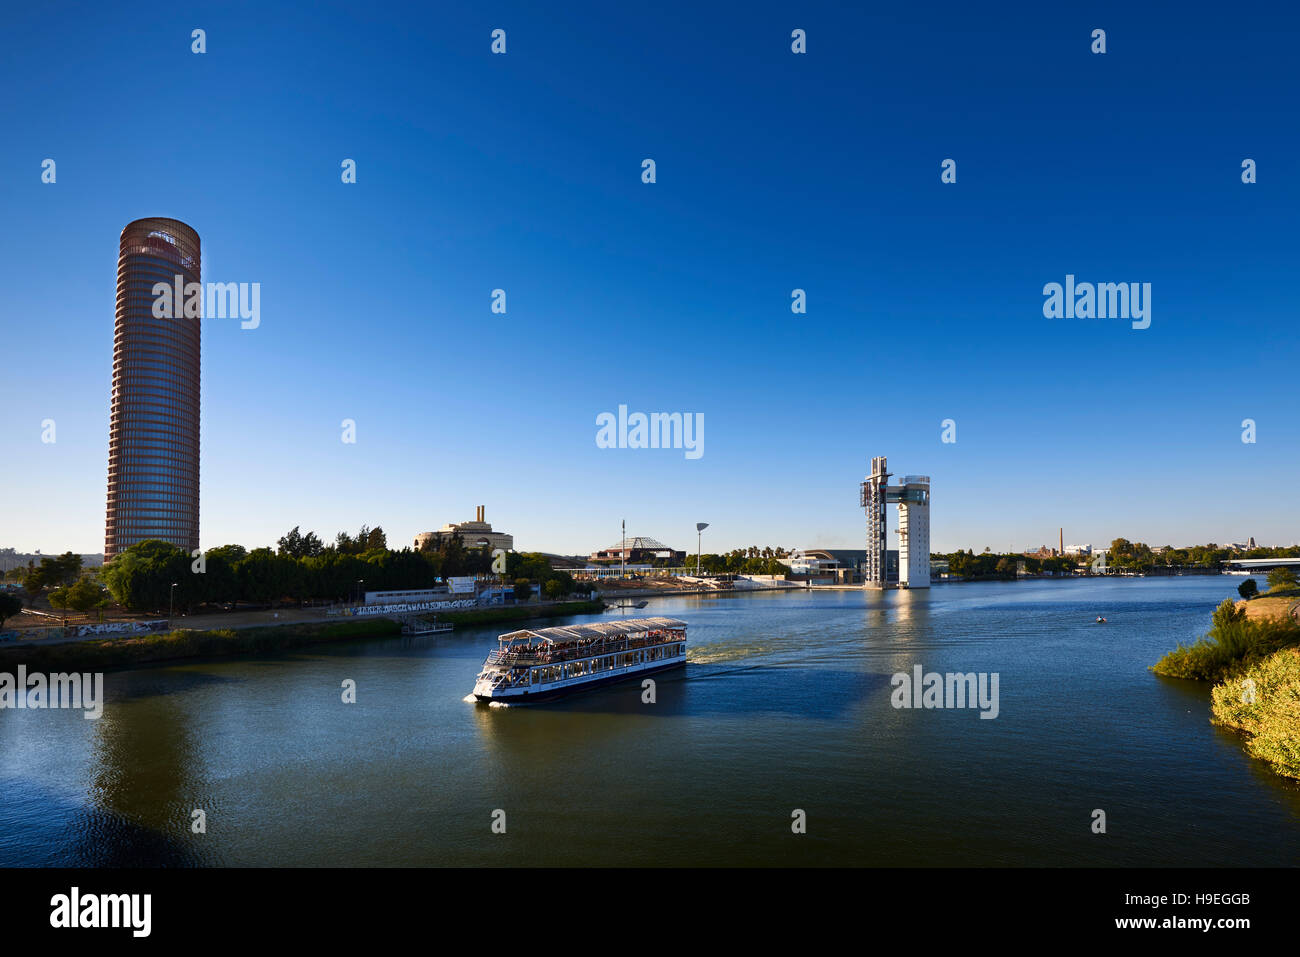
[{"x": 784, "y": 705}]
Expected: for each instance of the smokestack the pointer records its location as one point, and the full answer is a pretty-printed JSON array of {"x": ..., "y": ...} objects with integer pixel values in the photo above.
[
  {"x": 481, "y": 510},
  {"x": 1062, "y": 551}
]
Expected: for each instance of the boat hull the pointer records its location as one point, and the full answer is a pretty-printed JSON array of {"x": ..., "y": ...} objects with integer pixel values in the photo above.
[{"x": 552, "y": 694}]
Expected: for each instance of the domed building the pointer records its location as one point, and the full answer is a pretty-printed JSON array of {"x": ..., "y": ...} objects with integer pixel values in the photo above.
[{"x": 638, "y": 549}]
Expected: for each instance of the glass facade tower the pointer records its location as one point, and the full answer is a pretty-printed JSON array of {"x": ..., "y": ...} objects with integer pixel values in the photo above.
[{"x": 153, "y": 442}]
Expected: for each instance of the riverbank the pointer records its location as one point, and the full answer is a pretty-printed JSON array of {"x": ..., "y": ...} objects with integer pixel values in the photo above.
[
  {"x": 492, "y": 616},
  {"x": 130, "y": 651},
  {"x": 1253, "y": 663}
]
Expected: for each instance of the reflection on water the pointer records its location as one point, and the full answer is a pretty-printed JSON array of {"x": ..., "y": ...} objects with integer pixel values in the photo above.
[{"x": 784, "y": 703}]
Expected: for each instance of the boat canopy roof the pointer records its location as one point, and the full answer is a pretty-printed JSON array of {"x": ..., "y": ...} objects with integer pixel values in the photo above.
[{"x": 600, "y": 629}]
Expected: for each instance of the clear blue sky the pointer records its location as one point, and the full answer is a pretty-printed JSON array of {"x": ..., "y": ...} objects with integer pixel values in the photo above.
[{"x": 775, "y": 171}]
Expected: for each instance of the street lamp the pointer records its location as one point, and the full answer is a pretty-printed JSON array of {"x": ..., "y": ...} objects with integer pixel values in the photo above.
[
  {"x": 360, "y": 582},
  {"x": 171, "y": 604},
  {"x": 699, "y": 528}
]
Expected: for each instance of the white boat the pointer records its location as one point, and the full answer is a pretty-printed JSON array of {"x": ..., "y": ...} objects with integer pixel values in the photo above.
[{"x": 540, "y": 665}]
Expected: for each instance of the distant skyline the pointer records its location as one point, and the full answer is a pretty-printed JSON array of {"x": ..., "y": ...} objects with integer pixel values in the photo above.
[{"x": 774, "y": 172}]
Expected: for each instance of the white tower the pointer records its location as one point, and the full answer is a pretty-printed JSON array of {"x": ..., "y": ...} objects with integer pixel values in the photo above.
[{"x": 914, "y": 532}]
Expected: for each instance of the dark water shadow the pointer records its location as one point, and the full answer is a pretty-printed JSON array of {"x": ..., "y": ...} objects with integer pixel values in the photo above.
[
  {"x": 157, "y": 683},
  {"x": 731, "y": 690},
  {"x": 1196, "y": 696},
  {"x": 43, "y": 829}
]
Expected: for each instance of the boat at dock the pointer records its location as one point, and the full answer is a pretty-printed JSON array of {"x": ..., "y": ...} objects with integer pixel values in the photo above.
[
  {"x": 531, "y": 666},
  {"x": 623, "y": 606},
  {"x": 416, "y": 625}
]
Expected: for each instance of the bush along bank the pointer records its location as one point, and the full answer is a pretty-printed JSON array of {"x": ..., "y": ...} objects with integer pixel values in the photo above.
[
  {"x": 1263, "y": 703},
  {"x": 1255, "y": 665}
]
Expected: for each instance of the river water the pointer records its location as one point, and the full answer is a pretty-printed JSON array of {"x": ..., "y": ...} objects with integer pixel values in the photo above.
[{"x": 784, "y": 705}]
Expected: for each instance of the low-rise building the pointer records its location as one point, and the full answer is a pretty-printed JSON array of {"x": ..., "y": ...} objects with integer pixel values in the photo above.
[{"x": 846, "y": 566}]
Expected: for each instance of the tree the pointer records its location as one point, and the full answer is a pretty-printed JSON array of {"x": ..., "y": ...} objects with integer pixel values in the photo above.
[
  {"x": 53, "y": 572},
  {"x": 1280, "y": 579},
  {"x": 10, "y": 605},
  {"x": 368, "y": 539},
  {"x": 1248, "y": 589},
  {"x": 84, "y": 594},
  {"x": 454, "y": 556},
  {"x": 523, "y": 589},
  {"x": 297, "y": 545},
  {"x": 220, "y": 583},
  {"x": 1227, "y": 614},
  {"x": 140, "y": 577}
]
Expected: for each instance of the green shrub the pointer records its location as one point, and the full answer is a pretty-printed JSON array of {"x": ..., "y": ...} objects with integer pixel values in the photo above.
[{"x": 1234, "y": 641}]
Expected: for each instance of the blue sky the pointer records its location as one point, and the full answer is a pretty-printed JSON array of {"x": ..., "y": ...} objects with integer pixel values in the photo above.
[{"x": 775, "y": 171}]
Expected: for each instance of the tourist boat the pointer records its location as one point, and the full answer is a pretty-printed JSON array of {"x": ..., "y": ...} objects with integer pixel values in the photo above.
[{"x": 530, "y": 666}]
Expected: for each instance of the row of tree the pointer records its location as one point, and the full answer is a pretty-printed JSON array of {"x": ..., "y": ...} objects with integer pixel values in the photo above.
[
  {"x": 297, "y": 545},
  {"x": 1125, "y": 555},
  {"x": 989, "y": 564},
  {"x": 1140, "y": 557},
  {"x": 743, "y": 561},
  {"x": 52, "y": 572},
  {"x": 155, "y": 575}
]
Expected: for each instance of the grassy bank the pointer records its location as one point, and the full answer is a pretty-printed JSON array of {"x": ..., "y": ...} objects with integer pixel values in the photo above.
[
  {"x": 105, "y": 654},
  {"x": 491, "y": 616},
  {"x": 1255, "y": 664},
  {"x": 109, "y": 653}
]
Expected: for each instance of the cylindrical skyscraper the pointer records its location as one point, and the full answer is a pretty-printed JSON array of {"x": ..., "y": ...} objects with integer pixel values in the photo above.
[{"x": 153, "y": 441}]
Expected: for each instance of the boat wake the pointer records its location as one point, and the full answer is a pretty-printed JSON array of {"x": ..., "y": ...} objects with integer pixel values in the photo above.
[{"x": 720, "y": 654}]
